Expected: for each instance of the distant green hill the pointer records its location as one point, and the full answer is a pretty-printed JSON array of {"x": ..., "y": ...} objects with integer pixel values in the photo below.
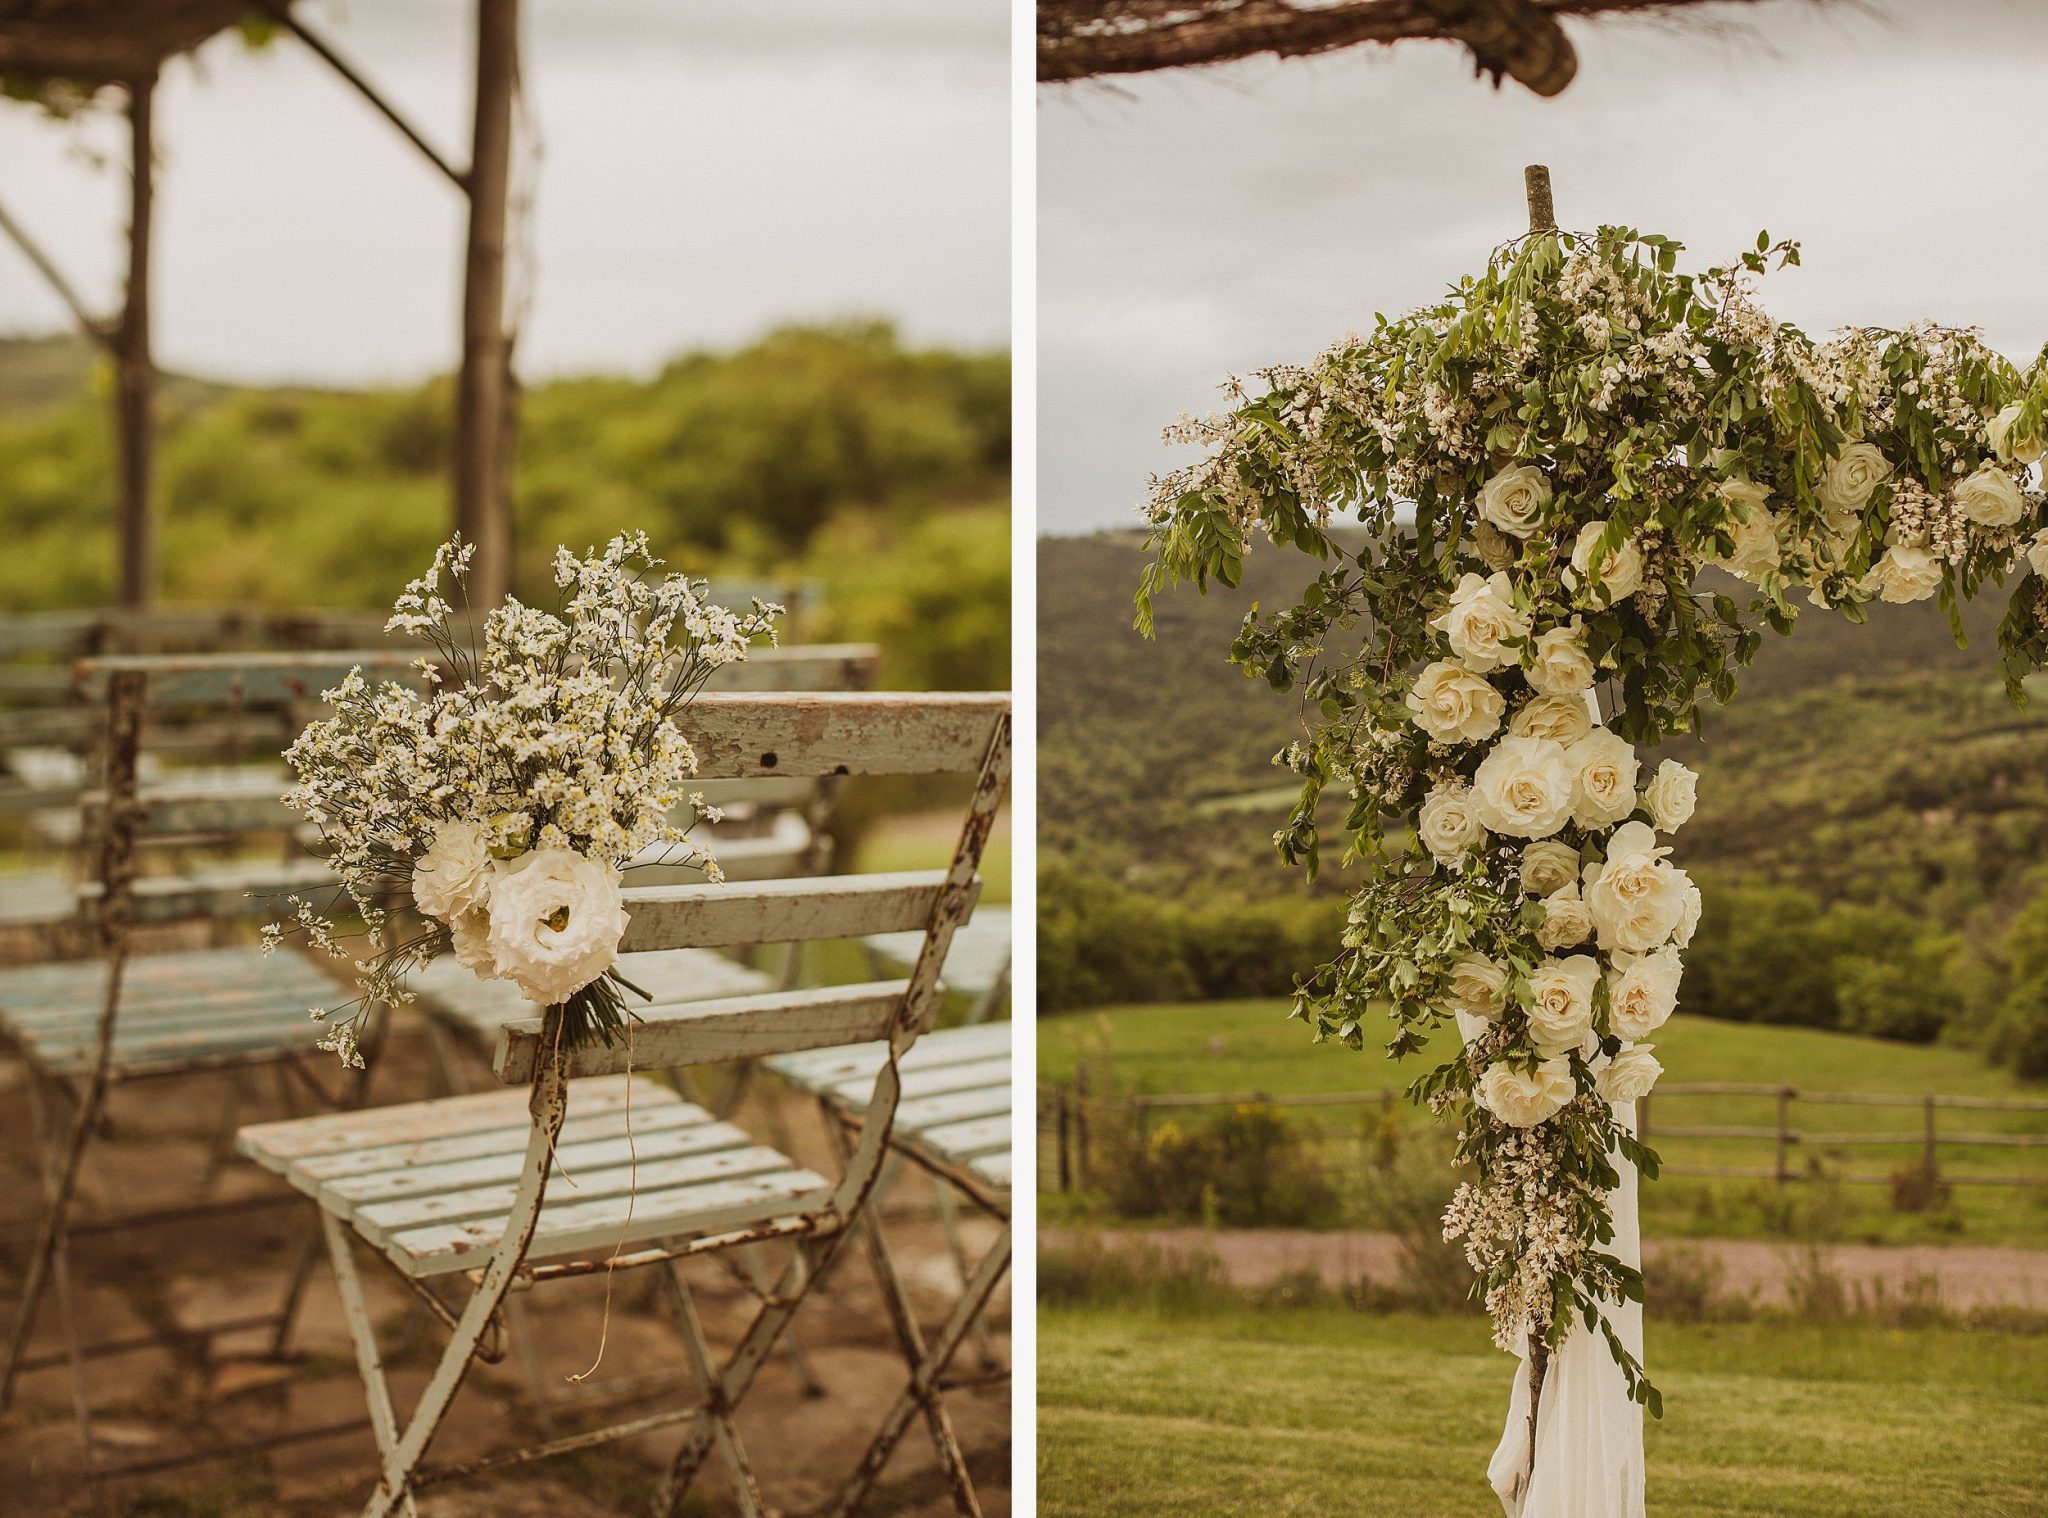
[{"x": 1873, "y": 812}]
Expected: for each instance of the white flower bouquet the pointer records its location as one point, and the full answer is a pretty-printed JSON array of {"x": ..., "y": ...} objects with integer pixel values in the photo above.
[{"x": 540, "y": 758}]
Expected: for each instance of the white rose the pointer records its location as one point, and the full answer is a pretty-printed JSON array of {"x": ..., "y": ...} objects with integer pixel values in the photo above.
[
  {"x": 1448, "y": 823},
  {"x": 1754, "y": 530},
  {"x": 1561, "y": 666},
  {"x": 2037, "y": 552},
  {"x": 1642, "y": 993},
  {"x": 1561, "y": 1002},
  {"x": 1452, "y": 704},
  {"x": 1522, "y": 1099},
  {"x": 1990, "y": 498},
  {"x": 1904, "y": 574},
  {"x": 1481, "y": 620},
  {"x": 1561, "y": 719},
  {"x": 2014, "y": 450},
  {"x": 1604, "y": 769},
  {"x": 454, "y": 875},
  {"x": 1548, "y": 867},
  {"x": 1621, "y": 572},
  {"x": 469, "y": 935},
  {"x": 1513, "y": 500},
  {"x": 1478, "y": 987},
  {"x": 1636, "y": 897},
  {"x": 1566, "y": 922},
  {"x": 1523, "y": 788},
  {"x": 1630, "y": 1074},
  {"x": 1846, "y": 484},
  {"x": 556, "y": 921},
  {"x": 1671, "y": 795},
  {"x": 1688, "y": 917}
]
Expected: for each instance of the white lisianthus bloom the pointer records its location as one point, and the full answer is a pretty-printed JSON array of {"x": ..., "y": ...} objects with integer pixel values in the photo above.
[
  {"x": 1671, "y": 795},
  {"x": 1480, "y": 622},
  {"x": 1846, "y": 484},
  {"x": 1566, "y": 922},
  {"x": 2003, "y": 441},
  {"x": 1990, "y": 498},
  {"x": 1448, "y": 823},
  {"x": 1754, "y": 530},
  {"x": 1630, "y": 1074},
  {"x": 1453, "y": 705},
  {"x": 1523, "y": 788},
  {"x": 1522, "y": 1099},
  {"x": 1513, "y": 500},
  {"x": 1604, "y": 768},
  {"x": 453, "y": 876},
  {"x": 1561, "y": 666},
  {"x": 1548, "y": 867},
  {"x": 469, "y": 935},
  {"x": 1560, "y": 1006},
  {"x": 1621, "y": 572},
  {"x": 1637, "y": 898},
  {"x": 1478, "y": 987},
  {"x": 556, "y": 921},
  {"x": 1642, "y": 992},
  {"x": 1561, "y": 719},
  {"x": 2037, "y": 552},
  {"x": 1905, "y": 573}
]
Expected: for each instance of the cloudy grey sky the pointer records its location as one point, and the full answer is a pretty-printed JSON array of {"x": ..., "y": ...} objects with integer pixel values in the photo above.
[
  {"x": 1197, "y": 224},
  {"x": 707, "y": 170}
]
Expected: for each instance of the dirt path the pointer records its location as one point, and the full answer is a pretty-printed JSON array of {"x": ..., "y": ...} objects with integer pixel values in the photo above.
[{"x": 1968, "y": 1275}]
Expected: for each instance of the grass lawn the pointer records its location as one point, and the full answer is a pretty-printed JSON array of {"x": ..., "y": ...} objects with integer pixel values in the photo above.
[
  {"x": 1251, "y": 1046},
  {"x": 1325, "y": 1412}
]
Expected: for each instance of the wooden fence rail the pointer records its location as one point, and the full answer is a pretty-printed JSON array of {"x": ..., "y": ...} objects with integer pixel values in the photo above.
[{"x": 1069, "y": 1114}]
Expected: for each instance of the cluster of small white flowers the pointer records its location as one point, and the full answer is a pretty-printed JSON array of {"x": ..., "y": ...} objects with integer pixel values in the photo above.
[
  {"x": 540, "y": 762},
  {"x": 1518, "y": 1232}
]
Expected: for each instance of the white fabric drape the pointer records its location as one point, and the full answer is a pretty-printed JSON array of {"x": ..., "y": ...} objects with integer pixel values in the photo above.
[{"x": 1589, "y": 1437}]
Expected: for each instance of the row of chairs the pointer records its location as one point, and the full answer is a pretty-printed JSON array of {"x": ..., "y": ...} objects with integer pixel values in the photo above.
[{"x": 457, "y": 1189}]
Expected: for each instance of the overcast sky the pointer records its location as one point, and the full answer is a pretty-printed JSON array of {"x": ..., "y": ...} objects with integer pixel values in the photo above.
[
  {"x": 1197, "y": 224},
  {"x": 708, "y": 170}
]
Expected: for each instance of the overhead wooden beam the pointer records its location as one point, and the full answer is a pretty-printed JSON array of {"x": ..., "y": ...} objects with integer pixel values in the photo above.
[
  {"x": 484, "y": 396},
  {"x": 135, "y": 367}
]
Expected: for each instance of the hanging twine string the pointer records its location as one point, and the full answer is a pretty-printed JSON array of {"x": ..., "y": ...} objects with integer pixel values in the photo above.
[{"x": 604, "y": 1329}]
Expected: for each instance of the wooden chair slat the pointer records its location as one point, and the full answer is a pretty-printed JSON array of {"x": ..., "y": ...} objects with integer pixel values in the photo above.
[
  {"x": 899, "y": 733},
  {"x": 392, "y": 1160},
  {"x": 979, "y": 956},
  {"x": 952, "y": 1107},
  {"x": 446, "y": 989},
  {"x": 778, "y": 911},
  {"x": 243, "y": 679},
  {"x": 932, "y": 1080},
  {"x": 276, "y": 1146},
  {"x": 801, "y": 667},
  {"x": 814, "y": 1069},
  {"x": 971, "y": 1138}
]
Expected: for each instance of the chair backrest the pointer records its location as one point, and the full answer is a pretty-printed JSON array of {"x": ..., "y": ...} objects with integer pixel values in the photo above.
[{"x": 742, "y": 736}]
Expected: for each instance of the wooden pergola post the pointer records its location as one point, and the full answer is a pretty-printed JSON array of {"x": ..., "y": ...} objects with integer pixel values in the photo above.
[
  {"x": 135, "y": 368},
  {"x": 484, "y": 394}
]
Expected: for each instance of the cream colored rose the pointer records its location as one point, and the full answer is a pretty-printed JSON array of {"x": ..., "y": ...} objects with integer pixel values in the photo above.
[
  {"x": 556, "y": 921},
  {"x": 469, "y": 935},
  {"x": 1904, "y": 574},
  {"x": 1635, "y": 895},
  {"x": 1566, "y": 922},
  {"x": 1604, "y": 769},
  {"x": 1480, "y": 622},
  {"x": 1560, "y": 1007},
  {"x": 1561, "y": 719},
  {"x": 1523, "y": 788},
  {"x": 1522, "y": 1099},
  {"x": 1549, "y": 867},
  {"x": 1642, "y": 992},
  {"x": 1754, "y": 529},
  {"x": 454, "y": 875},
  {"x": 1846, "y": 484},
  {"x": 1671, "y": 795},
  {"x": 2037, "y": 552},
  {"x": 1621, "y": 572},
  {"x": 1448, "y": 822},
  {"x": 1495, "y": 548},
  {"x": 1478, "y": 987},
  {"x": 1630, "y": 1074},
  {"x": 1990, "y": 498},
  {"x": 2014, "y": 449},
  {"x": 1513, "y": 500},
  {"x": 1688, "y": 917},
  {"x": 1453, "y": 705},
  {"x": 1560, "y": 666}
]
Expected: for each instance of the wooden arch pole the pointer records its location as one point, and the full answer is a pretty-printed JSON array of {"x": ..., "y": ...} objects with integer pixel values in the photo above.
[
  {"x": 484, "y": 389},
  {"x": 135, "y": 366}
]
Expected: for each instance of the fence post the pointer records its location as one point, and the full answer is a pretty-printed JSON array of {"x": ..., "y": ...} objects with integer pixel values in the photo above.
[
  {"x": 1784, "y": 1133},
  {"x": 1060, "y": 1121},
  {"x": 1932, "y": 1168},
  {"x": 1080, "y": 1171}
]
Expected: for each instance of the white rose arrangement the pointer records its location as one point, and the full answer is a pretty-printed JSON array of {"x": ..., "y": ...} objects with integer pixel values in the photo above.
[
  {"x": 506, "y": 790},
  {"x": 1534, "y": 477}
]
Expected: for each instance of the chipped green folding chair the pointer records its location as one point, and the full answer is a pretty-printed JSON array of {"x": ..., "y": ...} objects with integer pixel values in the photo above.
[
  {"x": 116, "y": 1017},
  {"x": 459, "y": 1186}
]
